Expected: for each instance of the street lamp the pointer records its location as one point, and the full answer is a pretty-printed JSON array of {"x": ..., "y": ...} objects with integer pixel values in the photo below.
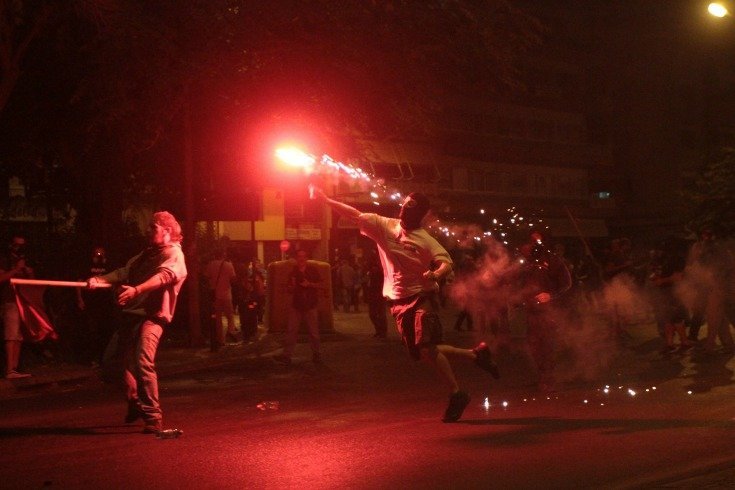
[{"x": 717, "y": 9}]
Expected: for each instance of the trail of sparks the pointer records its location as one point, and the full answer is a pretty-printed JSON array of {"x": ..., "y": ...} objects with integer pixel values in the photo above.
[{"x": 503, "y": 229}]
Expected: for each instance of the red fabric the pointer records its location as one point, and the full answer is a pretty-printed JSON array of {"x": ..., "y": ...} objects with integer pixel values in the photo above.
[{"x": 35, "y": 323}]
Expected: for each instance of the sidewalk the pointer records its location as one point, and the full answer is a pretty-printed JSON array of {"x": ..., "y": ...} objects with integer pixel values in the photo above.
[
  {"x": 637, "y": 358},
  {"x": 173, "y": 360},
  {"x": 170, "y": 361}
]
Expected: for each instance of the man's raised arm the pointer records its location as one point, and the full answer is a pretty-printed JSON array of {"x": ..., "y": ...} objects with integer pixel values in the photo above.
[{"x": 343, "y": 209}]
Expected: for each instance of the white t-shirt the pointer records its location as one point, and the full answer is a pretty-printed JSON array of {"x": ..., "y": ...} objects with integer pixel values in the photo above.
[{"x": 404, "y": 255}]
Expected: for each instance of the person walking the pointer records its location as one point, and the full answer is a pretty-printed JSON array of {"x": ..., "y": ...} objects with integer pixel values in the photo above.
[
  {"x": 220, "y": 274},
  {"x": 413, "y": 264},
  {"x": 96, "y": 307},
  {"x": 148, "y": 287}
]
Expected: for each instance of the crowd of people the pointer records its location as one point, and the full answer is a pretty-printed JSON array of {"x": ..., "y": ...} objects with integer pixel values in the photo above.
[
  {"x": 234, "y": 287},
  {"x": 408, "y": 273},
  {"x": 682, "y": 285}
]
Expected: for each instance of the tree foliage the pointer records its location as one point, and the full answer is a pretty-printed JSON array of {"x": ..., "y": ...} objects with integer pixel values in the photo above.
[
  {"x": 713, "y": 197},
  {"x": 106, "y": 85}
]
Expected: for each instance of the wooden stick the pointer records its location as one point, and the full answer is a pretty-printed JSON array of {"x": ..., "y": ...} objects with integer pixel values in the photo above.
[{"x": 44, "y": 282}]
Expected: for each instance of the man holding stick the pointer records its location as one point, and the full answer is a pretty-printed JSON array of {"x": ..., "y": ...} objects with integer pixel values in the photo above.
[
  {"x": 149, "y": 285},
  {"x": 413, "y": 264}
]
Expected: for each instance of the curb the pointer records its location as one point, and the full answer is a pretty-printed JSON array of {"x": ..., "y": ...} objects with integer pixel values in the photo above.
[{"x": 171, "y": 361}]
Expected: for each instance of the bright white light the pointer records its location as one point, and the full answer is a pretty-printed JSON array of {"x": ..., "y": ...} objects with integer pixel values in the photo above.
[
  {"x": 631, "y": 392},
  {"x": 295, "y": 157},
  {"x": 486, "y": 404},
  {"x": 717, "y": 9},
  {"x": 482, "y": 211},
  {"x": 374, "y": 195},
  {"x": 505, "y": 404}
]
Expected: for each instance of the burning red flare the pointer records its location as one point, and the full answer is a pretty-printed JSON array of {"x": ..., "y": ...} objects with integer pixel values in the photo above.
[{"x": 296, "y": 158}]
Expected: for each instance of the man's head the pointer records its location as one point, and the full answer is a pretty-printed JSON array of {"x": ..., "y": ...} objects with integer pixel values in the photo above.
[
  {"x": 164, "y": 229},
  {"x": 301, "y": 256},
  {"x": 413, "y": 210},
  {"x": 17, "y": 246}
]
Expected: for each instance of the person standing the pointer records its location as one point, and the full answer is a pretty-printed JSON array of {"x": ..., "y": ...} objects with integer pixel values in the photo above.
[
  {"x": 373, "y": 291},
  {"x": 13, "y": 265},
  {"x": 96, "y": 307},
  {"x": 303, "y": 282},
  {"x": 220, "y": 274},
  {"x": 413, "y": 264},
  {"x": 466, "y": 269},
  {"x": 347, "y": 277},
  {"x": 666, "y": 271},
  {"x": 149, "y": 285},
  {"x": 542, "y": 283}
]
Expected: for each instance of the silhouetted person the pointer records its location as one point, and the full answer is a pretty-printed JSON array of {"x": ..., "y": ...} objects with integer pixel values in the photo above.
[{"x": 13, "y": 265}]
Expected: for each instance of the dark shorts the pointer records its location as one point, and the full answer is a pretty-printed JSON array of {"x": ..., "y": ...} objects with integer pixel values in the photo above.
[{"x": 417, "y": 321}]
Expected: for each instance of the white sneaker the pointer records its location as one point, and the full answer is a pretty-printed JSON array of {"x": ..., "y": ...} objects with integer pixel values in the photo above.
[{"x": 17, "y": 375}]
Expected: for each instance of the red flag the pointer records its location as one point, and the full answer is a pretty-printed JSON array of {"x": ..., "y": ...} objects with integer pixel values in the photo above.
[{"x": 36, "y": 325}]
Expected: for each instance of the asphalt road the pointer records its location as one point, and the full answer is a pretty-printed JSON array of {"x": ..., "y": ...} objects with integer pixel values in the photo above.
[{"x": 370, "y": 418}]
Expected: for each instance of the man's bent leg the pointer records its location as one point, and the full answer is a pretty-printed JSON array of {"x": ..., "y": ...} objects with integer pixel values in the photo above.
[
  {"x": 128, "y": 339},
  {"x": 435, "y": 357},
  {"x": 146, "y": 376}
]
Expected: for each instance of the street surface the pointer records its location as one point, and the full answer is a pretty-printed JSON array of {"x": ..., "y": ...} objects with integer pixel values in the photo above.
[{"x": 370, "y": 418}]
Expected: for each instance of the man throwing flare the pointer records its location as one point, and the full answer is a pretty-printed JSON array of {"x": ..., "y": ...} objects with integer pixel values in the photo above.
[{"x": 413, "y": 262}]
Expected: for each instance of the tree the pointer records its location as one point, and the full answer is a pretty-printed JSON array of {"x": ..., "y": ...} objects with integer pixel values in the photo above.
[
  {"x": 713, "y": 196},
  {"x": 381, "y": 68}
]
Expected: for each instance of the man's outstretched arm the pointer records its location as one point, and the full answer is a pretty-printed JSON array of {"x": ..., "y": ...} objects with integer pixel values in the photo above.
[{"x": 343, "y": 209}]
